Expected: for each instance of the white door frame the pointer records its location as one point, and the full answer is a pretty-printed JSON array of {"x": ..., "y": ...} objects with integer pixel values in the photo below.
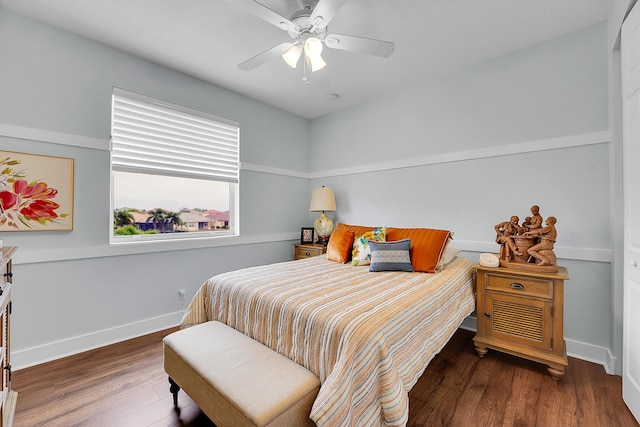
[{"x": 630, "y": 77}]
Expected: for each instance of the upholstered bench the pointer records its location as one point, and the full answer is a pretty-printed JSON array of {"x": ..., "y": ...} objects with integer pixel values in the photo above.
[{"x": 235, "y": 380}]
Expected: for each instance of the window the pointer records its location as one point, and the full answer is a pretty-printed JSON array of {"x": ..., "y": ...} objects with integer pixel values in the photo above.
[{"x": 174, "y": 170}]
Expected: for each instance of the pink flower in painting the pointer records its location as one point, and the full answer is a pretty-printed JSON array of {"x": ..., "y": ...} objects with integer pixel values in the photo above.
[
  {"x": 39, "y": 190},
  {"x": 28, "y": 202},
  {"x": 8, "y": 200},
  {"x": 40, "y": 210}
]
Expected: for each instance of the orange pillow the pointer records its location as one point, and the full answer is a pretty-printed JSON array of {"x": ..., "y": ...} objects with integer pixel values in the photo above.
[
  {"x": 358, "y": 230},
  {"x": 427, "y": 245},
  {"x": 339, "y": 246}
]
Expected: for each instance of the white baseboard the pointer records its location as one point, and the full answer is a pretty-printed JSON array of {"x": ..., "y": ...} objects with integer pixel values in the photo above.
[
  {"x": 579, "y": 350},
  {"x": 469, "y": 324},
  {"x": 592, "y": 353},
  {"x": 55, "y": 350}
]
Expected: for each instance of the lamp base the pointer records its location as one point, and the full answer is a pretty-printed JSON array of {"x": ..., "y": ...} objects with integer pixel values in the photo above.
[
  {"x": 324, "y": 226},
  {"x": 323, "y": 241}
]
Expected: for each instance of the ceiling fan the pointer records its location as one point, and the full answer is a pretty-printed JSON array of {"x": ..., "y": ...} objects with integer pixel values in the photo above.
[{"x": 308, "y": 29}]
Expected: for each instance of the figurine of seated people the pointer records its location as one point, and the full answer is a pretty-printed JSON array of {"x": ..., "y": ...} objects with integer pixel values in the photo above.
[
  {"x": 534, "y": 221},
  {"x": 504, "y": 231},
  {"x": 543, "y": 251}
]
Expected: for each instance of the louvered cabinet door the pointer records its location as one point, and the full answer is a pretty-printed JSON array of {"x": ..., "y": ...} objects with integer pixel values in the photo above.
[
  {"x": 524, "y": 321},
  {"x": 521, "y": 313}
]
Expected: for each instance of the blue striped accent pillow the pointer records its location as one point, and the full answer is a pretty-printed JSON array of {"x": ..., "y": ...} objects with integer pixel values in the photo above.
[{"x": 390, "y": 256}]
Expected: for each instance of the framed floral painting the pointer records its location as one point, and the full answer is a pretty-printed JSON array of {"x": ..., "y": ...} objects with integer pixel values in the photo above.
[{"x": 36, "y": 192}]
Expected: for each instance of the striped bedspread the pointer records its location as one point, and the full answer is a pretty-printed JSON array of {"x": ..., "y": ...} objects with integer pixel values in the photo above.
[{"x": 367, "y": 336}]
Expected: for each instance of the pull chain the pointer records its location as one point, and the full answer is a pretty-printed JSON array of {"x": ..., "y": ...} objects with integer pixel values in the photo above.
[{"x": 304, "y": 71}]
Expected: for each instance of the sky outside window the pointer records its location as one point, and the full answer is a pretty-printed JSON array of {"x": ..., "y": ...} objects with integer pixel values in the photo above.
[{"x": 146, "y": 192}]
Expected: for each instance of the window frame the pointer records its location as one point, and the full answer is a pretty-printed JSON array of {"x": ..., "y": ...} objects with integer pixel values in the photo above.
[{"x": 231, "y": 178}]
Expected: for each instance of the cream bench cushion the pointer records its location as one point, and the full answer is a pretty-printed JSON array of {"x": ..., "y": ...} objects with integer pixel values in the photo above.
[{"x": 235, "y": 380}]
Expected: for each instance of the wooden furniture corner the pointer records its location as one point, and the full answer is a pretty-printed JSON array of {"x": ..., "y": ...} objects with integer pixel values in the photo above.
[
  {"x": 8, "y": 397},
  {"x": 522, "y": 313}
]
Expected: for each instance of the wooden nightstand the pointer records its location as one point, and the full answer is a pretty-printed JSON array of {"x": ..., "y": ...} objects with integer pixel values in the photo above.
[
  {"x": 309, "y": 250},
  {"x": 521, "y": 313}
]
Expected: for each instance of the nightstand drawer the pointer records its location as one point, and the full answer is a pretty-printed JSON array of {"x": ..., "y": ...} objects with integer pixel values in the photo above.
[
  {"x": 306, "y": 251},
  {"x": 520, "y": 285}
]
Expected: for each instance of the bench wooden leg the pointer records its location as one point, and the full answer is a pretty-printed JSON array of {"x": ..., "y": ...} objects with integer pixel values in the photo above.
[{"x": 174, "y": 389}]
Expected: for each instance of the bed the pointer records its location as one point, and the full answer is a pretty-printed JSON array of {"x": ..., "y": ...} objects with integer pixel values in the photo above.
[{"x": 368, "y": 336}]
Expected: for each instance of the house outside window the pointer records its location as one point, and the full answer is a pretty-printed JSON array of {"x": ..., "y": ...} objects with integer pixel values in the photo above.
[{"x": 174, "y": 170}]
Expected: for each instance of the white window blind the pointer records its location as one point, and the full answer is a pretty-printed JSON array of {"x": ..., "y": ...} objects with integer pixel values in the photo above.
[{"x": 153, "y": 137}]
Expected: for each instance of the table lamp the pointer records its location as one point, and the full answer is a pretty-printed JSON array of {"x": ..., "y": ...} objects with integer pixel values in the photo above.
[{"x": 323, "y": 200}]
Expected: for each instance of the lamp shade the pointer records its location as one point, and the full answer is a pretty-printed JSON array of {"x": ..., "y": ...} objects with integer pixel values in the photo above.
[
  {"x": 312, "y": 47},
  {"x": 323, "y": 200},
  {"x": 292, "y": 55},
  {"x": 312, "y": 50},
  {"x": 317, "y": 63}
]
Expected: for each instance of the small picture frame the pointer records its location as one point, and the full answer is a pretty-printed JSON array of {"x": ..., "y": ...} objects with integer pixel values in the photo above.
[{"x": 306, "y": 235}]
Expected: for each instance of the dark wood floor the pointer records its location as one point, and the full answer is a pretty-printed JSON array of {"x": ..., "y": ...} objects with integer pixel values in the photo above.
[{"x": 125, "y": 385}]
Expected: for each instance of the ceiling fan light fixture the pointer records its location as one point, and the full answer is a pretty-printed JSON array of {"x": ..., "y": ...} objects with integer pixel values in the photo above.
[
  {"x": 317, "y": 63},
  {"x": 292, "y": 55},
  {"x": 312, "y": 47},
  {"x": 307, "y": 27},
  {"x": 313, "y": 51}
]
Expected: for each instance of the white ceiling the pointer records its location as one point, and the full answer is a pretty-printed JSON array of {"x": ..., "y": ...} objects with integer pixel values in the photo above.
[{"x": 209, "y": 38}]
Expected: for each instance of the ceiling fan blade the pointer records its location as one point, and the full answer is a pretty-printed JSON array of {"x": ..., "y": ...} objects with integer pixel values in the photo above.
[
  {"x": 324, "y": 12},
  {"x": 263, "y": 12},
  {"x": 265, "y": 56},
  {"x": 360, "y": 44}
]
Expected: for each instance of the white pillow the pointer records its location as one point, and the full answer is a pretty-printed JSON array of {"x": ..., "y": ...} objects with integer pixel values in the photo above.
[{"x": 449, "y": 254}]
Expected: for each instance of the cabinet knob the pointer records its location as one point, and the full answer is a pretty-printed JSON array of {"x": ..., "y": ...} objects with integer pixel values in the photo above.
[
  {"x": 634, "y": 263},
  {"x": 307, "y": 253},
  {"x": 487, "y": 314},
  {"x": 515, "y": 285}
]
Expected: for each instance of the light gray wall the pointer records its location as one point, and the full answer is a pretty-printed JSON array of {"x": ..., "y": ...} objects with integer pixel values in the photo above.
[
  {"x": 459, "y": 153},
  {"x": 72, "y": 290},
  {"x": 553, "y": 89}
]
